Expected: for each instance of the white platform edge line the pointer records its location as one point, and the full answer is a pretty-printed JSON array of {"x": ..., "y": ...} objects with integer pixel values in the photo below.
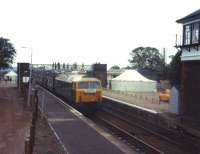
[
  {"x": 58, "y": 138},
  {"x": 132, "y": 105},
  {"x": 53, "y": 130}
]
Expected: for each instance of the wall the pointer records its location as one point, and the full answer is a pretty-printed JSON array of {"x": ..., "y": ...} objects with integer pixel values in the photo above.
[{"x": 190, "y": 90}]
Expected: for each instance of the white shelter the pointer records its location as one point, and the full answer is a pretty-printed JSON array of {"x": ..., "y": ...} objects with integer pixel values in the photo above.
[
  {"x": 132, "y": 80},
  {"x": 12, "y": 75}
]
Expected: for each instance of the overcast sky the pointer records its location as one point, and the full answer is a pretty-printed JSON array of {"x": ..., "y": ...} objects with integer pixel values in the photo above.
[{"x": 89, "y": 31}]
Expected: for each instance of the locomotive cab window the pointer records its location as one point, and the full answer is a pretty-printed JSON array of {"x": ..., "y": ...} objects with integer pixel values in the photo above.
[
  {"x": 89, "y": 85},
  {"x": 74, "y": 85},
  {"x": 94, "y": 85}
]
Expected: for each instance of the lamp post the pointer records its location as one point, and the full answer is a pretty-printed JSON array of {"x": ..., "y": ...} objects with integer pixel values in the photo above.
[{"x": 30, "y": 78}]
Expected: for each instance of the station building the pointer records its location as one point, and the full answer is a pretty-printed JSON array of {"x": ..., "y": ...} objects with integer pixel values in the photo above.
[{"x": 190, "y": 69}]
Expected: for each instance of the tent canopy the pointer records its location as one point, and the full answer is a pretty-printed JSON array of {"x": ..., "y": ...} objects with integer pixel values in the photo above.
[
  {"x": 132, "y": 75},
  {"x": 11, "y": 74},
  {"x": 131, "y": 80}
]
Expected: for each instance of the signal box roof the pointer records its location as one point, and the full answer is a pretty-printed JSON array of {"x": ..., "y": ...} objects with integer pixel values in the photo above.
[{"x": 189, "y": 18}]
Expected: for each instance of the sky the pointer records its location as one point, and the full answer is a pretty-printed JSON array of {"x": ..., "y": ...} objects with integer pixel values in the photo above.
[{"x": 90, "y": 31}]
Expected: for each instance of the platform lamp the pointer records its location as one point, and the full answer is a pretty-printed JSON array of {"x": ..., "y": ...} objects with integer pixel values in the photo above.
[{"x": 30, "y": 77}]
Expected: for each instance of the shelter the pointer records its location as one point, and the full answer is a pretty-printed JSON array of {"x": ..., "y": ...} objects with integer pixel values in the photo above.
[
  {"x": 11, "y": 75},
  {"x": 131, "y": 80}
]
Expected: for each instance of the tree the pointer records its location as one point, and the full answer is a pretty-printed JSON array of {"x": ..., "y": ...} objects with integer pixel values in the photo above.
[
  {"x": 82, "y": 66},
  {"x": 53, "y": 66},
  {"x": 7, "y": 53},
  {"x": 147, "y": 58},
  {"x": 75, "y": 66},
  {"x": 63, "y": 66},
  {"x": 175, "y": 69},
  {"x": 128, "y": 67},
  {"x": 67, "y": 66},
  {"x": 115, "y": 67},
  {"x": 58, "y": 66}
]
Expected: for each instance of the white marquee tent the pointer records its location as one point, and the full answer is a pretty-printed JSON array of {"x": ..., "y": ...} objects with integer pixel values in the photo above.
[
  {"x": 131, "y": 80},
  {"x": 12, "y": 75}
]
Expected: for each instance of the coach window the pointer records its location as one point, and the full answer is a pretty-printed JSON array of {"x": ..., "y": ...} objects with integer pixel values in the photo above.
[
  {"x": 195, "y": 33},
  {"x": 187, "y": 35}
]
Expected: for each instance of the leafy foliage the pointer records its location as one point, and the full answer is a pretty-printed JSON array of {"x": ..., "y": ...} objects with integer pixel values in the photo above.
[
  {"x": 82, "y": 66},
  {"x": 63, "y": 66},
  {"x": 67, "y": 66},
  {"x": 175, "y": 69},
  {"x": 7, "y": 53},
  {"x": 75, "y": 66},
  {"x": 115, "y": 67},
  {"x": 58, "y": 66},
  {"x": 147, "y": 58}
]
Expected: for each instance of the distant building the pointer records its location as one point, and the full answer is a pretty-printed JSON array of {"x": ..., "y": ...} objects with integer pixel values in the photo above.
[
  {"x": 100, "y": 71},
  {"x": 112, "y": 73},
  {"x": 190, "y": 71}
]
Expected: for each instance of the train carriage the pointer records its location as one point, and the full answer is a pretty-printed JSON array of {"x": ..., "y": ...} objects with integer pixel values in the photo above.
[{"x": 79, "y": 89}]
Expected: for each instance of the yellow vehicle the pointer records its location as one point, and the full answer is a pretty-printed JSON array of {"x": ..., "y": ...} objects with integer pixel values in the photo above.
[
  {"x": 164, "y": 95},
  {"x": 79, "y": 89}
]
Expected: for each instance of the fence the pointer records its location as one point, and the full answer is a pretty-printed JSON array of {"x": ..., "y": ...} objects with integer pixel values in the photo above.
[
  {"x": 30, "y": 140},
  {"x": 137, "y": 97}
]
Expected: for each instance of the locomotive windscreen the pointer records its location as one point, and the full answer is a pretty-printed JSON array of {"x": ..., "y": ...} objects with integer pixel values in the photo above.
[{"x": 89, "y": 85}]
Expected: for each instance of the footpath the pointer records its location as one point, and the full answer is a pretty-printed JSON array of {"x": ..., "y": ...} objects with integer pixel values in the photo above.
[{"x": 14, "y": 120}]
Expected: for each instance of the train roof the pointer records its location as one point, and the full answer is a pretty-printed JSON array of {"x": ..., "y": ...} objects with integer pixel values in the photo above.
[{"x": 75, "y": 78}]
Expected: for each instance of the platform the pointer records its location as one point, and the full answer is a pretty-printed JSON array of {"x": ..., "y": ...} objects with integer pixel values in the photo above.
[
  {"x": 147, "y": 104},
  {"x": 146, "y": 100},
  {"x": 15, "y": 120},
  {"x": 72, "y": 129}
]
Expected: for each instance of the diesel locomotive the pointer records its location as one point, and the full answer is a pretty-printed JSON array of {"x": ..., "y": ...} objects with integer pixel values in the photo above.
[{"x": 77, "y": 89}]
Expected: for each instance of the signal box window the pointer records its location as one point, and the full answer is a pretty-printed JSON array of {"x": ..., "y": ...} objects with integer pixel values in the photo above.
[
  {"x": 195, "y": 33},
  {"x": 187, "y": 35}
]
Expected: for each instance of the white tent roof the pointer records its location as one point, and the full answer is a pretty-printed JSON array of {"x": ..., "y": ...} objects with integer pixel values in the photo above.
[
  {"x": 131, "y": 75},
  {"x": 11, "y": 73}
]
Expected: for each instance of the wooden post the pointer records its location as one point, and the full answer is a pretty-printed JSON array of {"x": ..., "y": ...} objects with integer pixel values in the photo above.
[
  {"x": 43, "y": 101},
  {"x": 36, "y": 104},
  {"x": 27, "y": 146},
  {"x": 32, "y": 138}
]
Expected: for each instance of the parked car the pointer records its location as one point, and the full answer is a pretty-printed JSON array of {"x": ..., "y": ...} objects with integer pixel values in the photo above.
[{"x": 164, "y": 95}]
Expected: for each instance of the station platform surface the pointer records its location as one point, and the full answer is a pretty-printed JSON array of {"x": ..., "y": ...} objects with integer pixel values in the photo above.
[
  {"x": 145, "y": 100},
  {"x": 147, "y": 103},
  {"x": 14, "y": 119},
  {"x": 73, "y": 132}
]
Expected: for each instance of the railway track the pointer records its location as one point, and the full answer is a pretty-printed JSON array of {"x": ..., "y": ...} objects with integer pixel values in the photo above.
[
  {"x": 125, "y": 135},
  {"x": 150, "y": 140},
  {"x": 141, "y": 140}
]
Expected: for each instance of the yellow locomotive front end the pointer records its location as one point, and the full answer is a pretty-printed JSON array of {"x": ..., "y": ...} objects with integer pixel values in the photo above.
[{"x": 88, "y": 90}]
